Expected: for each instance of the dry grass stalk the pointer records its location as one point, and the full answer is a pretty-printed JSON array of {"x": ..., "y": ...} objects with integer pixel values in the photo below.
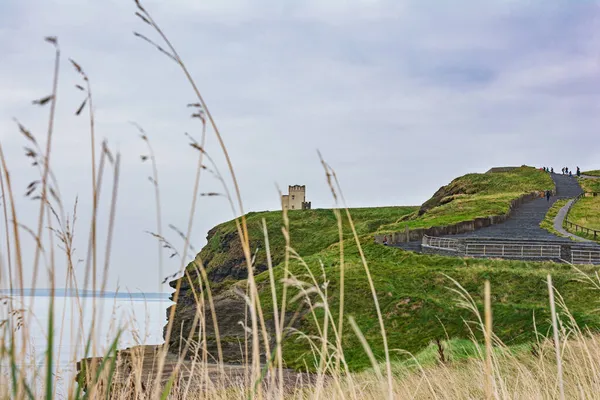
[
  {"x": 489, "y": 377},
  {"x": 559, "y": 371}
]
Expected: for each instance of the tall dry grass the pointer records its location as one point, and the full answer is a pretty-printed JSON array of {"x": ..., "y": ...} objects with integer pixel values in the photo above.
[{"x": 565, "y": 365}]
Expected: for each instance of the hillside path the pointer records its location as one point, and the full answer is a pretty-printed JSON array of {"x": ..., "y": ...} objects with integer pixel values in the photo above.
[
  {"x": 525, "y": 221},
  {"x": 559, "y": 222}
]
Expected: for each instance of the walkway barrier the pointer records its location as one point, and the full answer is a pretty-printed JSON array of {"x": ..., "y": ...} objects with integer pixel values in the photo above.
[
  {"x": 500, "y": 249},
  {"x": 585, "y": 256},
  {"x": 513, "y": 250},
  {"x": 578, "y": 228},
  {"x": 442, "y": 243}
]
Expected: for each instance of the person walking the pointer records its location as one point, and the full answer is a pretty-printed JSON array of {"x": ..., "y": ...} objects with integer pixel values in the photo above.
[
  {"x": 578, "y": 172},
  {"x": 548, "y": 193},
  {"x": 552, "y": 170}
]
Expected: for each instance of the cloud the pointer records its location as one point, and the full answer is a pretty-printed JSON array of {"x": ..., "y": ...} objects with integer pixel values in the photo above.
[{"x": 400, "y": 97}]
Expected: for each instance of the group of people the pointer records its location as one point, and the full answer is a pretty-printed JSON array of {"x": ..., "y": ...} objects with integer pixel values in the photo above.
[{"x": 565, "y": 171}]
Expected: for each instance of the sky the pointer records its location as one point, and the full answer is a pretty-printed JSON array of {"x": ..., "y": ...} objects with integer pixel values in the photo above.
[{"x": 399, "y": 97}]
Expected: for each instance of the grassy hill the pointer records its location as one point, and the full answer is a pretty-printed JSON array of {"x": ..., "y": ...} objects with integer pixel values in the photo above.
[
  {"x": 590, "y": 185},
  {"x": 311, "y": 231},
  {"x": 413, "y": 290},
  {"x": 586, "y": 212},
  {"x": 592, "y": 173},
  {"x": 418, "y": 305},
  {"x": 475, "y": 195}
]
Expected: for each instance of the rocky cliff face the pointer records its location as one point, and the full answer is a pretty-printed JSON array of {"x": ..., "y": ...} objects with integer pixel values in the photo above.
[
  {"x": 224, "y": 257},
  {"x": 224, "y": 261}
]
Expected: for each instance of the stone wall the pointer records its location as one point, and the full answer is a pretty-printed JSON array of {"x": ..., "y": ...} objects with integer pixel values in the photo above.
[{"x": 410, "y": 235}]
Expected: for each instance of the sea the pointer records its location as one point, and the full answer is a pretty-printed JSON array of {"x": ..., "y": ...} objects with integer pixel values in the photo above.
[{"x": 138, "y": 318}]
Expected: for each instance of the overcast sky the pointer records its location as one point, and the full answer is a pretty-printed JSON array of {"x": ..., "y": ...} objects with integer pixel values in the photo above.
[{"x": 399, "y": 96}]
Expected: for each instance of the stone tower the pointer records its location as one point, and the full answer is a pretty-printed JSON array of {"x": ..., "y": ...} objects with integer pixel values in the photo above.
[{"x": 295, "y": 199}]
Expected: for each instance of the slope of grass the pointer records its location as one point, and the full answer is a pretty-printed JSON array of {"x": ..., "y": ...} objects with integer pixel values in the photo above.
[
  {"x": 462, "y": 208},
  {"x": 548, "y": 222},
  {"x": 586, "y": 212},
  {"x": 310, "y": 232},
  {"x": 419, "y": 307},
  {"x": 590, "y": 185},
  {"x": 592, "y": 173},
  {"x": 475, "y": 195}
]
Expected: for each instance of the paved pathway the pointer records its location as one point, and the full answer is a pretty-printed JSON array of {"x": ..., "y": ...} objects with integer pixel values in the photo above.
[
  {"x": 559, "y": 222},
  {"x": 524, "y": 223}
]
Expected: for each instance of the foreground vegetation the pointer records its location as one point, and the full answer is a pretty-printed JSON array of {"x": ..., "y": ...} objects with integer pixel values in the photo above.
[
  {"x": 446, "y": 370},
  {"x": 415, "y": 296},
  {"x": 474, "y": 196},
  {"x": 511, "y": 373}
]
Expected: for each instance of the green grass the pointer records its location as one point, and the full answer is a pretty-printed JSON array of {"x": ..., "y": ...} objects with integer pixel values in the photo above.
[
  {"x": 548, "y": 222},
  {"x": 311, "y": 231},
  {"x": 473, "y": 196},
  {"x": 460, "y": 209},
  {"x": 418, "y": 306},
  {"x": 592, "y": 173},
  {"x": 590, "y": 185},
  {"x": 455, "y": 351},
  {"x": 585, "y": 212}
]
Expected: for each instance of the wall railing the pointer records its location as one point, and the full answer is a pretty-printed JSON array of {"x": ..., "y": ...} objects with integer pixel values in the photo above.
[
  {"x": 578, "y": 254},
  {"x": 513, "y": 250},
  {"x": 494, "y": 248},
  {"x": 442, "y": 243},
  {"x": 585, "y": 256}
]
